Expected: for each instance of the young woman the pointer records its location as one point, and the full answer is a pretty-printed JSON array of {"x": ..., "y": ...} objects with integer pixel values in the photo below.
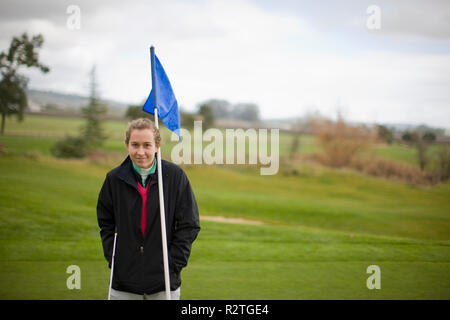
[{"x": 128, "y": 204}]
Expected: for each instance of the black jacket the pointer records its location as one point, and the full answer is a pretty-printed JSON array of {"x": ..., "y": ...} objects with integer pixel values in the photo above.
[{"x": 138, "y": 262}]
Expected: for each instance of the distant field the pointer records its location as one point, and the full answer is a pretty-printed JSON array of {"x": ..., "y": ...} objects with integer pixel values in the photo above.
[
  {"x": 39, "y": 133},
  {"x": 323, "y": 228},
  {"x": 43, "y": 131},
  {"x": 404, "y": 153}
]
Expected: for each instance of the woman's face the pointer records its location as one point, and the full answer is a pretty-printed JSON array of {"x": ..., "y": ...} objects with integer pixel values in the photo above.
[{"x": 142, "y": 147}]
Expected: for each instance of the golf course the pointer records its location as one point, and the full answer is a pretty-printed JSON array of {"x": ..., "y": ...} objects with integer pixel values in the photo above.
[{"x": 316, "y": 232}]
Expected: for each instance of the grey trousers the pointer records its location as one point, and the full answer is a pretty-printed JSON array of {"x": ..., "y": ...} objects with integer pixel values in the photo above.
[{"x": 122, "y": 295}]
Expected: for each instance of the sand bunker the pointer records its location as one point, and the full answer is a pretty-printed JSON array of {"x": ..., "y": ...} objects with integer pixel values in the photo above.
[{"x": 230, "y": 220}]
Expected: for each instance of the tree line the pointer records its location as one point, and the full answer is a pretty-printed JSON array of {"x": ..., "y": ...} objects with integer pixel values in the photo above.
[{"x": 207, "y": 111}]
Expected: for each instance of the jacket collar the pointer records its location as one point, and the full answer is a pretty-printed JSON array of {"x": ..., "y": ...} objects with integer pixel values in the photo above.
[{"x": 127, "y": 173}]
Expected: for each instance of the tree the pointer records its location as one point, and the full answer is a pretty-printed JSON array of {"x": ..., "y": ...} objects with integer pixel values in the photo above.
[
  {"x": 186, "y": 119},
  {"x": 297, "y": 130},
  {"x": 93, "y": 132},
  {"x": 385, "y": 133},
  {"x": 205, "y": 111},
  {"x": 220, "y": 108},
  {"x": 245, "y": 111},
  {"x": 92, "y": 135},
  {"x": 429, "y": 137},
  {"x": 23, "y": 52},
  {"x": 410, "y": 137},
  {"x": 421, "y": 142},
  {"x": 134, "y": 112}
]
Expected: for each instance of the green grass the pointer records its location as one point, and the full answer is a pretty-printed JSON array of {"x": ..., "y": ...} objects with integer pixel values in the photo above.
[
  {"x": 397, "y": 152},
  {"x": 327, "y": 199},
  {"x": 323, "y": 229},
  {"x": 298, "y": 263},
  {"x": 28, "y": 144},
  {"x": 298, "y": 256},
  {"x": 43, "y": 126},
  {"x": 243, "y": 262}
]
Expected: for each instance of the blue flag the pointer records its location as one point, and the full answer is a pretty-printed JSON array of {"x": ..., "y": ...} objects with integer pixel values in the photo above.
[{"x": 165, "y": 100}]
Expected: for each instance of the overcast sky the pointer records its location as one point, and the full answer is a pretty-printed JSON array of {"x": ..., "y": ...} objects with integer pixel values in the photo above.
[{"x": 289, "y": 57}]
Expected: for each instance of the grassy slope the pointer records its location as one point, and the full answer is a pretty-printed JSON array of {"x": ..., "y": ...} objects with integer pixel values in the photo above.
[
  {"x": 56, "y": 227},
  {"x": 327, "y": 199}
]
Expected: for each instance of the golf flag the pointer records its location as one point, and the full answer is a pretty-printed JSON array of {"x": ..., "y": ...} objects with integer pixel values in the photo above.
[{"x": 166, "y": 102}]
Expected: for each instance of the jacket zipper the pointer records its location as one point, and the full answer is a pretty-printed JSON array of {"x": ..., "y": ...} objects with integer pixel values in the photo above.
[{"x": 141, "y": 248}]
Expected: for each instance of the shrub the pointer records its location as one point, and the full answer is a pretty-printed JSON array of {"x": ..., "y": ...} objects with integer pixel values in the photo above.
[
  {"x": 443, "y": 160},
  {"x": 385, "y": 134},
  {"x": 69, "y": 147},
  {"x": 391, "y": 170},
  {"x": 341, "y": 142}
]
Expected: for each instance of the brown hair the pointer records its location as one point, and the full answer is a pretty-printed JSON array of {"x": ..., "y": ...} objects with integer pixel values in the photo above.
[{"x": 141, "y": 124}]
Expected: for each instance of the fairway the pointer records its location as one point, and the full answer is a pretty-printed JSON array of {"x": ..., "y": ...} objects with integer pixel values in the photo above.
[{"x": 322, "y": 229}]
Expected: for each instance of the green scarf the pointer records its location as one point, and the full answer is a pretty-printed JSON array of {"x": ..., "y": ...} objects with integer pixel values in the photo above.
[{"x": 138, "y": 170}]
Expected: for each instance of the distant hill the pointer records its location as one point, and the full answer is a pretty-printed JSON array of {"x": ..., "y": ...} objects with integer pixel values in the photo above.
[
  {"x": 49, "y": 101},
  {"x": 56, "y": 102}
]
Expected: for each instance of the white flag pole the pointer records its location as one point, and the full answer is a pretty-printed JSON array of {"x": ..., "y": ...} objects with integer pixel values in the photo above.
[{"x": 160, "y": 183}]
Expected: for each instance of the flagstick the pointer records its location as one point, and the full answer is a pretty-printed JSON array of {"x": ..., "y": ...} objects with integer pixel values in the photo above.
[{"x": 160, "y": 183}]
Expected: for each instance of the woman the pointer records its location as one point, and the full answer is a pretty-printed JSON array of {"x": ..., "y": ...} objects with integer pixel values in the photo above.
[{"x": 129, "y": 204}]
